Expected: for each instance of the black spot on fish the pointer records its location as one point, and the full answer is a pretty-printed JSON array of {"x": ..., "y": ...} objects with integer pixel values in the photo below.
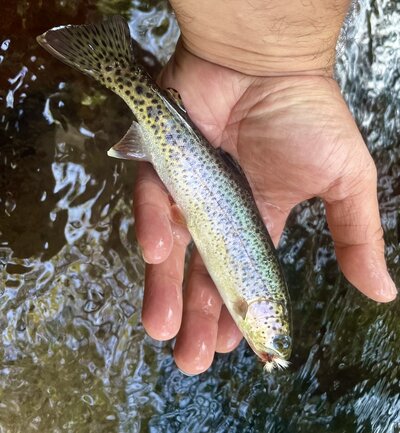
[
  {"x": 139, "y": 90},
  {"x": 127, "y": 92},
  {"x": 149, "y": 95}
]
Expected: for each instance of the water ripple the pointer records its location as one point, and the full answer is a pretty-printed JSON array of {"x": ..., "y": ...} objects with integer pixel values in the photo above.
[{"x": 73, "y": 354}]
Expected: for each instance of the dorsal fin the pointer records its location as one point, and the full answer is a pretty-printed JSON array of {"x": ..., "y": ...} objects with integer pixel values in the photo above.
[{"x": 235, "y": 167}]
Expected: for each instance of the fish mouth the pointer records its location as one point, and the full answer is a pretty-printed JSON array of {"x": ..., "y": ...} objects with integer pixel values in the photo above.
[{"x": 273, "y": 360}]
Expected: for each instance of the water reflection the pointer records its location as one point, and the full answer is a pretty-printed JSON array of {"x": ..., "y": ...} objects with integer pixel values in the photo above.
[{"x": 73, "y": 354}]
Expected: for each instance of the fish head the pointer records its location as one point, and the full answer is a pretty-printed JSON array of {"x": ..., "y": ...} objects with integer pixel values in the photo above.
[{"x": 267, "y": 329}]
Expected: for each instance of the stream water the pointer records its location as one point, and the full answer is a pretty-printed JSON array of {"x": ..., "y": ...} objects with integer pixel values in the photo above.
[{"x": 73, "y": 354}]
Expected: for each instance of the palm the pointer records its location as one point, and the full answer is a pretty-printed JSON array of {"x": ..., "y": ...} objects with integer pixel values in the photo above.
[
  {"x": 295, "y": 139},
  {"x": 292, "y": 145}
]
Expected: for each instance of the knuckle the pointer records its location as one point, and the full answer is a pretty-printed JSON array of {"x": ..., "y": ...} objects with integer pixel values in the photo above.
[
  {"x": 370, "y": 172},
  {"x": 357, "y": 179}
]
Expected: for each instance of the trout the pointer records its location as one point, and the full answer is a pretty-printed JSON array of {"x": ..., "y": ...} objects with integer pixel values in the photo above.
[{"x": 210, "y": 190}]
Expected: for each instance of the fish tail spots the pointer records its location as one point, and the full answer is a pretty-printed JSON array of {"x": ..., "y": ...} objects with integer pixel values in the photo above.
[{"x": 102, "y": 51}]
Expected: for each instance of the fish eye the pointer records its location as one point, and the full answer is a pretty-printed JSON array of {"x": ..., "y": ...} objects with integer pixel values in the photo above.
[{"x": 281, "y": 343}]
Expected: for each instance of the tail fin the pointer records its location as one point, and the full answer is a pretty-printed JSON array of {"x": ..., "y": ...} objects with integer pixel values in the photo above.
[{"x": 100, "y": 50}]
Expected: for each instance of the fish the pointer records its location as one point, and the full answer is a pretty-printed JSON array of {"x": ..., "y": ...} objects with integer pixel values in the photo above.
[{"x": 207, "y": 184}]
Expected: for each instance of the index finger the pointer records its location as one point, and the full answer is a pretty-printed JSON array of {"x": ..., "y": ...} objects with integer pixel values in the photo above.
[{"x": 151, "y": 208}]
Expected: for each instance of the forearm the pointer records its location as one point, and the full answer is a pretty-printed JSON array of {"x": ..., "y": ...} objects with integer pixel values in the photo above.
[{"x": 263, "y": 37}]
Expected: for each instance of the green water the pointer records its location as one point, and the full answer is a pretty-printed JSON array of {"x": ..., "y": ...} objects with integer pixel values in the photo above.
[{"x": 73, "y": 354}]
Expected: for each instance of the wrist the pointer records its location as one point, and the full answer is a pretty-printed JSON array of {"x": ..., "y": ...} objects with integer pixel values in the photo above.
[{"x": 263, "y": 38}]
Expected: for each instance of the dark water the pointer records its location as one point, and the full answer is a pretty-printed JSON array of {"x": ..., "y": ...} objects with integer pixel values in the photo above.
[{"x": 73, "y": 354}]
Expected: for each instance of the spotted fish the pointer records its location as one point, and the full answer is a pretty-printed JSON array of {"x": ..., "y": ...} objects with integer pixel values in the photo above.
[{"x": 209, "y": 189}]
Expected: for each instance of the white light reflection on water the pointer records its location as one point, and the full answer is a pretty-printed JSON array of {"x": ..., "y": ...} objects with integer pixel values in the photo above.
[{"x": 73, "y": 354}]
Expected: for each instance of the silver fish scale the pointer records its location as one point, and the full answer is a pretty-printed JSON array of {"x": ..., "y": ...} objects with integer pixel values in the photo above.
[{"x": 218, "y": 208}]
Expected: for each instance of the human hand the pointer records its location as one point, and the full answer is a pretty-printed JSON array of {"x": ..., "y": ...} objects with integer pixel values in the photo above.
[{"x": 295, "y": 139}]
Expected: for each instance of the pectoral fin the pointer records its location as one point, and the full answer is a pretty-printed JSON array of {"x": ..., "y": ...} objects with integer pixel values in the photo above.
[
  {"x": 131, "y": 145},
  {"x": 240, "y": 307}
]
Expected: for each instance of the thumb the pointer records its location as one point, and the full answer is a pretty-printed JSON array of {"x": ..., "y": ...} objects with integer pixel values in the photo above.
[{"x": 354, "y": 222}]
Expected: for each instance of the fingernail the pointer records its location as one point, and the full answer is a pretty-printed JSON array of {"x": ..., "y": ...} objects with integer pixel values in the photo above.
[
  {"x": 143, "y": 255},
  {"x": 389, "y": 288},
  {"x": 157, "y": 253},
  {"x": 186, "y": 374},
  {"x": 392, "y": 288}
]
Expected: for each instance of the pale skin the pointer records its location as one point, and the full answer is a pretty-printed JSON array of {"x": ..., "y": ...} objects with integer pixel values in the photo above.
[{"x": 266, "y": 96}]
